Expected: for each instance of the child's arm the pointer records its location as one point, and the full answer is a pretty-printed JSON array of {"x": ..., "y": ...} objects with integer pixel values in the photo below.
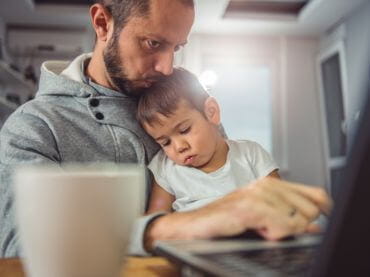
[{"x": 160, "y": 200}]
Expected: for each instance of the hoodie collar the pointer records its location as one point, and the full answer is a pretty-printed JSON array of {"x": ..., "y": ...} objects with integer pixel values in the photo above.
[
  {"x": 64, "y": 78},
  {"x": 68, "y": 78},
  {"x": 61, "y": 78}
]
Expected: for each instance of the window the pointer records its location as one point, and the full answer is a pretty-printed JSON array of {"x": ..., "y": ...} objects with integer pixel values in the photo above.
[{"x": 244, "y": 94}]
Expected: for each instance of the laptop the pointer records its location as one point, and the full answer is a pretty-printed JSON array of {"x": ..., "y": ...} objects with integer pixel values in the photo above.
[{"x": 343, "y": 250}]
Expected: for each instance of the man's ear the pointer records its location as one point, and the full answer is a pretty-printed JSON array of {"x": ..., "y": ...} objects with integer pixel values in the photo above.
[
  {"x": 212, "y": 110},
  {"x": 102, "y": 22}
]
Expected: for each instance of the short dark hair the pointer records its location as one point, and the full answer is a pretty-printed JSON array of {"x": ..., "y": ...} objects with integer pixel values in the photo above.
[
  {"x": 164, "y": 96},
  {"x": 122, "y": 10}
]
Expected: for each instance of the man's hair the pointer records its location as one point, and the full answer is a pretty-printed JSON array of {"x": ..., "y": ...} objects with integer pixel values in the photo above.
[
  {"x": 164, "y": 96},
  {"x": 123, "y": 10}
]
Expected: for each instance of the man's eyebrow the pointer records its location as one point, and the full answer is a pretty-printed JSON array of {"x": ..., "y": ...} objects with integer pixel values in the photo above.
[
  {"x": 174, "y": 128},
  {"x": 183, "y": 43},
  {"x": 163, "y": 40}
]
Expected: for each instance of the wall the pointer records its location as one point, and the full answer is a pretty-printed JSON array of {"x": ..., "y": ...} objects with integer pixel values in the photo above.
[
  {"x": 303, "y": 135},
  {"x": 296, "y": 122},
  {"x": 68, "y": 44},
  {"x": 353, "y": 31},
  {"x": 353, "y": 37}
]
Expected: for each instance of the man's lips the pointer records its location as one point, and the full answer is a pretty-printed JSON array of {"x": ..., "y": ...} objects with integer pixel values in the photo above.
[
  {"x": 152, "y": 79},
  {"x": 149, "y": 82}
]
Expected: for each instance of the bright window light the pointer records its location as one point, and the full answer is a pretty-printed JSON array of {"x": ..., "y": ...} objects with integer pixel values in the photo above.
[
  {"x": 208, "y": 78},
  {"x": 244, "y": 94}
]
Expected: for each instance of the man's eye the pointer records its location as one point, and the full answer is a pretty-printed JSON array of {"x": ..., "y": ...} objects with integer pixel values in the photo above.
[
  {"x": 153, "y": 44},
  {"x": 185, "y": 131},
  {"x": 178, "y": 47}
]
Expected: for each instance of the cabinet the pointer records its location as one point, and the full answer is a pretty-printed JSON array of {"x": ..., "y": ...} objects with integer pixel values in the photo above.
[
  {"x": 6, "y": 109},
  {"x": 11, "y": 77},
  {"x": 13, "y": 83}
]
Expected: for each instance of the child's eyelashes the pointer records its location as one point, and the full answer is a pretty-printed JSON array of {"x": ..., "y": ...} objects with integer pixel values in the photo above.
[
  {"x": 165, "y": 143},
  {"x": 185, "y": 131}
]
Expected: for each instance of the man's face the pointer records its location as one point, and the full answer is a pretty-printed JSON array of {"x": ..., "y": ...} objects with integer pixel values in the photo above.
[{"x": 144, "y": 50}]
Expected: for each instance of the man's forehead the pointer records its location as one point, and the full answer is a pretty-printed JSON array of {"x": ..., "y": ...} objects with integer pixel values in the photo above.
[
  {"x": 166, "y": 11},
  {"x": 171, "y": 22}
]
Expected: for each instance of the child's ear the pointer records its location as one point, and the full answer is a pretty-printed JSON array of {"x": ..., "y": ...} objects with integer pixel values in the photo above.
[{"x": 212, "y": 110}]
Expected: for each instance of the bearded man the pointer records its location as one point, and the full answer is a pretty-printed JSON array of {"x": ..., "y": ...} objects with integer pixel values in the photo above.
[{"x": 84, "y": 112}]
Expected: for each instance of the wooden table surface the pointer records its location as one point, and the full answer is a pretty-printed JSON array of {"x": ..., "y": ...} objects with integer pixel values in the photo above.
[{"x": 148, "y": 267}]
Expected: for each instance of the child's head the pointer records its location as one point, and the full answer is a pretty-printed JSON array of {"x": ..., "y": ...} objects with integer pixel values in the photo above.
[{"x": 181, "y": 116}]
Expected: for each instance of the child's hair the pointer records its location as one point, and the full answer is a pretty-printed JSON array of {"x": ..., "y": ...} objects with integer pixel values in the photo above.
[{"x": 163, "y": 96}]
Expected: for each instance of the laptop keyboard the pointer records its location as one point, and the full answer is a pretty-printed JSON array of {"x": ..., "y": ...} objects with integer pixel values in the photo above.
[{"x": 292, "y": 261}]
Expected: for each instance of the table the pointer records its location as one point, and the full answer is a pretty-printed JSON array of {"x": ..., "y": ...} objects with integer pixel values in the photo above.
[{"x": 151, "y": 267}]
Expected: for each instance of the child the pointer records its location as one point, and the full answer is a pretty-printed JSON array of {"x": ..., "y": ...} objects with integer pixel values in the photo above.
[{"x": 197, "y": 165}]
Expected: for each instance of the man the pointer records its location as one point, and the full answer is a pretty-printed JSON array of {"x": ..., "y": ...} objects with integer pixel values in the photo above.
[{"x": 85, "y": 112}]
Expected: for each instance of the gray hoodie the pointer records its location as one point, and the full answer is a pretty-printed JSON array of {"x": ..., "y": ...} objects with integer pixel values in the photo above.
[{"x": 68, "y": 121}]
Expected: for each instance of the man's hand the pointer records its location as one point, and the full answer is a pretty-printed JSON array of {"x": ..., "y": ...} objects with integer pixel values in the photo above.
[{"x": 272, "y": 207}]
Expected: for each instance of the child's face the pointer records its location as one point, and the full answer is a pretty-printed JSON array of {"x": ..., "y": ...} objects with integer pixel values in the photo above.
[{"x": 187, "y": 136}]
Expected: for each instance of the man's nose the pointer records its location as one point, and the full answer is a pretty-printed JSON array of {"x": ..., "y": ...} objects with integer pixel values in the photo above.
[{"x": 164, "y": 63}]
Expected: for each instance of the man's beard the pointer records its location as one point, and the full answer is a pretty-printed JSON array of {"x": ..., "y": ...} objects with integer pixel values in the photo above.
[{"x": 116, "y": 71}]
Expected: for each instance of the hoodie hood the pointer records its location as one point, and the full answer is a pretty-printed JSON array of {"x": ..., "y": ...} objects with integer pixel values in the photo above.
[{"x": 64, "y": 78}]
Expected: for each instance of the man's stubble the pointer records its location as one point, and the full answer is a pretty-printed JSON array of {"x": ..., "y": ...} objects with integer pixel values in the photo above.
[{"x": 116, "y": 70}]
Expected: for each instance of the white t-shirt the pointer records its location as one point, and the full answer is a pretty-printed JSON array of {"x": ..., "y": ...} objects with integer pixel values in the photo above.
[{"x": 246, "y": 161}]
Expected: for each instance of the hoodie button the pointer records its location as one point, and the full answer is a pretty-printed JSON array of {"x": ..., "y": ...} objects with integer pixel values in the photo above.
[
  {"x": 94, "y": 102},
  {"x": 99, "y": 116}
]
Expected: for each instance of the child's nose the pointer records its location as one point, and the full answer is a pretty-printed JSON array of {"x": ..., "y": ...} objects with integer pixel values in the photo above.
[{"x": 181, "y": 146}]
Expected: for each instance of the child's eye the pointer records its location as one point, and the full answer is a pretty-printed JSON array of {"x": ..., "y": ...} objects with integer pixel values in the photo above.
[
  {"x": 185, "y": 131},
  {"x": 165, "y": 143}
]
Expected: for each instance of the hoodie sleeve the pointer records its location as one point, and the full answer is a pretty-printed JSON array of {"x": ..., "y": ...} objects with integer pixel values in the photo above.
[{"x": 24, "y": 139}]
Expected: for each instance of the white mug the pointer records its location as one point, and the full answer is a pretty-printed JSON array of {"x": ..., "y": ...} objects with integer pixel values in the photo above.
[{"x": 76, "y": 221}]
